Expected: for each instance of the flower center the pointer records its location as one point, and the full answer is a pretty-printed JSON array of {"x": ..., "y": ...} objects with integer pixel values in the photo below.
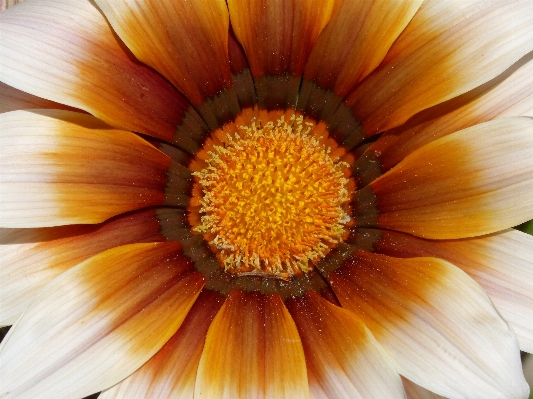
[{"x": 272, "y": 199}]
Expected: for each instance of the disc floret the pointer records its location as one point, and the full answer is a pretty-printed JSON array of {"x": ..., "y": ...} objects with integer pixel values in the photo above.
[{"x": 274, "y": 199}]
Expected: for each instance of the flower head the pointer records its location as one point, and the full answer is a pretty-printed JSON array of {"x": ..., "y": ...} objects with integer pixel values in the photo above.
[{"x": 244, "y": 199}]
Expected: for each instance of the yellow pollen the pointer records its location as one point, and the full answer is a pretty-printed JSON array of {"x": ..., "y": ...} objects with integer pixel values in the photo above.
[{"x": 274, "y": 199}]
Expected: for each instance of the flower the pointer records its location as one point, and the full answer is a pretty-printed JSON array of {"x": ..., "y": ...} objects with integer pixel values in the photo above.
[{"x": 266, "y": 199}]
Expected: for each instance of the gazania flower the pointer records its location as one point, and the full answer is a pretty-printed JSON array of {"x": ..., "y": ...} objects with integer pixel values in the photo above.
[{"x": 283, "y": 198}]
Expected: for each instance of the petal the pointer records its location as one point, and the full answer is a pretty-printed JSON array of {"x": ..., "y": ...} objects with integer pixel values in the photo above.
[
  {"x": 187, "y": 42},
  {"x": 65, "y": 51},
  {"x": 343, "y": 358},
  {"x": 436, "y": 323},
  {"x": 98, "y": 322},
  {"x": 33, "y": 257},
  {"x": 242, "y": 76},
  {"x": 355, "y": 41},
  {"x": 460, "y": 185},
  {"x": 171, "y": 373},
  {"x": 414, "y": 391},
  {"x": 252, "y": 350},
  {"x": 510, "y": 94},
  {"x": 165, "y": 35},
  {"x": 447, "y": 59},
  {"x": 277, "y": 36},
  {"x": 12, "y": 99},
  {"x": 501, "y": 263},
  {"x": 61, "y": 167}
]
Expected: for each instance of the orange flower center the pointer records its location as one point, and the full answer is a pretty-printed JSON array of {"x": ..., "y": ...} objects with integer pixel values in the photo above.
[{"x": 273, "y": 199}]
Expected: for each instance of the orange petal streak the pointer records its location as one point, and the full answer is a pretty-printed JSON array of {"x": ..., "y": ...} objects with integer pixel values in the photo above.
[
  {"x": 355, "y": 41},
  {"x": 343, "y": 358},
  {"x": 33, "y": 257},
  {"x": 171, "y": 373},
  {"x": 277, "y": 37},
  {"x": 98, "y": 322},
  {"x": 443, "y": 61},
  {"x": 510, "y": 94},
  {"x": 252, "y": 350},
  {"x": 436, "y": 323},
  {"x": 65, "y": 51},
  {"x": 473, "y": 182},
  {"x": 164, "y": 35},
  {"x": 62, "y": 167}
]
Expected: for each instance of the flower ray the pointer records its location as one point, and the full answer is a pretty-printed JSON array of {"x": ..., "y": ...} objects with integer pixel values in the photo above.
[
  {"x": 395, "y": 91},
  {"x": 133, "y": 297},
  {"x": 501, "y": 263},
  {"x": 33, "y": 257},
  {"x": 458, "y": 186},
  {"x": 45, "y": 178},
  {"x": 259, "y": 331},
  {"x": 85, "y": 68},
  {"x": 431, "y": 310},
  {"x": 353, "y": 364}
]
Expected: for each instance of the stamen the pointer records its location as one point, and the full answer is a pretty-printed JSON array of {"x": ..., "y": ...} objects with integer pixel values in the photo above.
[{"x": 273, "y": 199}]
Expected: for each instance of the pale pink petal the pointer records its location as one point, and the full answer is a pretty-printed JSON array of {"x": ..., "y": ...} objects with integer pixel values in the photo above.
[{"x": 12, "y": 99}]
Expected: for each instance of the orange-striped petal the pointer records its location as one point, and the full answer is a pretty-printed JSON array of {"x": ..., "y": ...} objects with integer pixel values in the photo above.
[
  {"x": 277, "y": 36},
  {"x": 473, "y": 182},
  {"x": 445, "y": 58},
  {"x": 171, "y": 373},
  {"x": 65, "y": 51},
  {"x": 186, "y": 41},
  {"x": 343, "y": 358},
  {"x": 355, "y": 41},
  {"x": 33, "y": 257},
  {"x": 436, "y": 323},
  {"x": 98, "y": 322},
  {"x": 510, "y": 94},
  {"x": 501, "y": 263},
  {"x": 414, "y": 391},
  {"x": 12, "y": 99},
  {"x": 61, "y": 167},
  {"x": 164, "y": 35},
  {"x": 252, "y": 350}
]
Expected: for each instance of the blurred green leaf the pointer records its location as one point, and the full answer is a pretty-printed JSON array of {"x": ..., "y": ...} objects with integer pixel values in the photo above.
[{"x": 526, "y": 227}]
